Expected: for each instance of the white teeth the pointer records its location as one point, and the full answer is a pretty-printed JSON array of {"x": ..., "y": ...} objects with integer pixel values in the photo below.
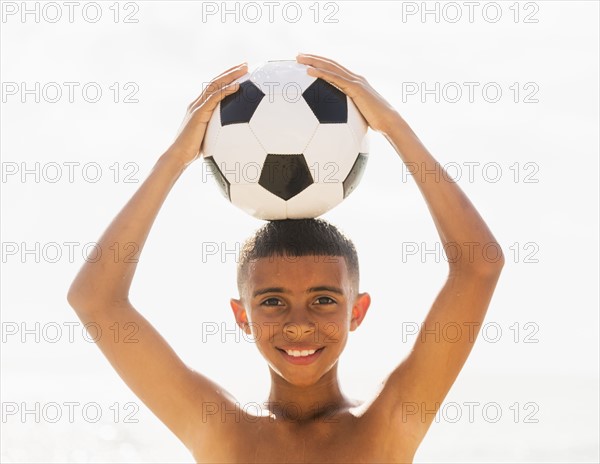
[{"x": 297, "y": 353}]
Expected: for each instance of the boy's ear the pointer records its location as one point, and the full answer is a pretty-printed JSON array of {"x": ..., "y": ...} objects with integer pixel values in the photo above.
[
  {"x": 239, "y": 312},
  {"x": 359, "y": 310}
]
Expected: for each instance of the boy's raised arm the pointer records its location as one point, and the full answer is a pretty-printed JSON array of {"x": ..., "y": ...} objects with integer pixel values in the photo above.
[
  {"x": 100, "y": 292},
  {"x": 422, "y": 380},
  {"x": 416, "y": 388}
]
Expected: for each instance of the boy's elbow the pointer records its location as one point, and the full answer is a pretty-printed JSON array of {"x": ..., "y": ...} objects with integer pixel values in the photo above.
[
  {"x": 492, "y": 260},
  {"x": 496, "y": 258},
  {"x": 75, "y": 299},
  {"x": 89, "y": 299},
  {"x": 79, "y": 298},
  {"x": 488, "y": 263}
]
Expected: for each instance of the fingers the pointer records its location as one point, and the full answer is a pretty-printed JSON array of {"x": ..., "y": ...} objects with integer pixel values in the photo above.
[
  {"x": 325, "y": 63},
  {"x": 214, "y": 98},
  {"x": 343, "y": 83},
  {"x": 225, "y": 78},
  {"x": 232, "y": 69},
  {"x": 219, "y": 82},
  {"x": 329, "y": 76}
]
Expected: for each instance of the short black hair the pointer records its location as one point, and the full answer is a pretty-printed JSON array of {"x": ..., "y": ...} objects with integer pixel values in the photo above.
[{"x": 296, "y": 238}]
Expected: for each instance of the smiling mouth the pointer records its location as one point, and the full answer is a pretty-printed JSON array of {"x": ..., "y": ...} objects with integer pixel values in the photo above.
[
  {"x": 301, "y": 357},
  {"x": 300, "y": 353}
]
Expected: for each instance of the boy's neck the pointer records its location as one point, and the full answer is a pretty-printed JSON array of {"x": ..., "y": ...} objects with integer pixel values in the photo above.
[{"x": 300, "y": 404}]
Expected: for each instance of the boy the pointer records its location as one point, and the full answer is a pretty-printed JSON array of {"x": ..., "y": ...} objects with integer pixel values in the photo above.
[{"x": 298, "y": 283}]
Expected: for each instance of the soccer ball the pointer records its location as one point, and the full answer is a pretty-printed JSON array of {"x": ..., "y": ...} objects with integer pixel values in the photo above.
[{"x": 286, "y": 144}]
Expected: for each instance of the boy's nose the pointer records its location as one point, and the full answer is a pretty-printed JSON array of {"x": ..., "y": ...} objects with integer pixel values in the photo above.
[{"x": 298, "y": 327}]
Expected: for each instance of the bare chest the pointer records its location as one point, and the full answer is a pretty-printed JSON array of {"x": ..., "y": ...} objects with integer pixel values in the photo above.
[{"x": 343, "y": 440}]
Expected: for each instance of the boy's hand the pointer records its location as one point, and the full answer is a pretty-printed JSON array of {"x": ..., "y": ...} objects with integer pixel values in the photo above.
[
  {"x": 186, "y": 146},
  {"x": 374, "y": 108}
]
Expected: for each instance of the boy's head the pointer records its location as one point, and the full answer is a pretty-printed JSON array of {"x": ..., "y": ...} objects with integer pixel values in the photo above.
[
  {"x": 293, "y": 238},
  {"x": 298, "y": 282}
]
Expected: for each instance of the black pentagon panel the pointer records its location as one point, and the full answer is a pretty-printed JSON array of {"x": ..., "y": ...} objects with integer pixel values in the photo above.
[
  {"x": 285, "y": 175},
  {"x": 355, "y": 174},
  {"x": 222, "y": 182},
  {"x": 328, "y": 103},
  {"x": 239, "y": 107}
]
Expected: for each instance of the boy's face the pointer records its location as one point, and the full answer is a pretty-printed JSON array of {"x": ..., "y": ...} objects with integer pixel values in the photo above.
[{"x": 300, "y": 304}]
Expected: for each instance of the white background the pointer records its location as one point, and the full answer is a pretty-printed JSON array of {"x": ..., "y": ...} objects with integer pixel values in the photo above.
[{"x": 546, "y": 218}]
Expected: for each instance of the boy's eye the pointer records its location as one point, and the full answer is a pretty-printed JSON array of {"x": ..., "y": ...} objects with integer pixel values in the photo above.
[
  {"x": 325, "y": 300},
  {"x": 272, "y": 302}
]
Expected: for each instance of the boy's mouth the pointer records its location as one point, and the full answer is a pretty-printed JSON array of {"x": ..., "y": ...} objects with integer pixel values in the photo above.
[{"x": 305, "y": 356}]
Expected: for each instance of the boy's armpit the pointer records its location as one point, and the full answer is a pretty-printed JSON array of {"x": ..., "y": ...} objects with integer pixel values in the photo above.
[
  {"x": 415, "y": 390},
  {"x": 174, "y": 392}
]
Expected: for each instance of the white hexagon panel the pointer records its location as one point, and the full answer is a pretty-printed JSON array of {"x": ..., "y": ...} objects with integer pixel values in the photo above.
[{"x": 288, "y": 133}]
